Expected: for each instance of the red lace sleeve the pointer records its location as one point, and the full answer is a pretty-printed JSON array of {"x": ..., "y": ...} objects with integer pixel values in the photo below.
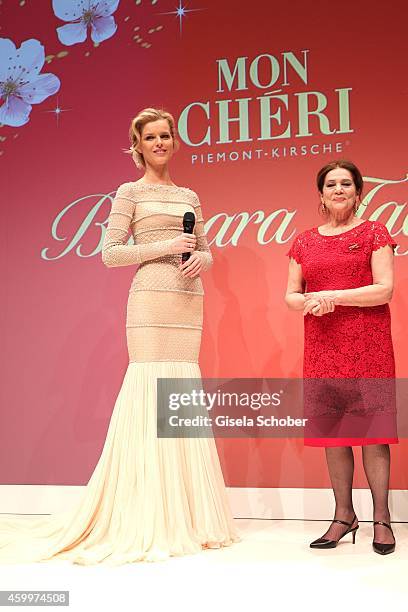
[
  {"x": 295, "y": 250},
  {"x": 381, "y": 237}
]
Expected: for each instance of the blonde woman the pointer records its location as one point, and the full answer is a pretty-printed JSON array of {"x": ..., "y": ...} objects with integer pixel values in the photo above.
[{"x": 149, "y": 498}]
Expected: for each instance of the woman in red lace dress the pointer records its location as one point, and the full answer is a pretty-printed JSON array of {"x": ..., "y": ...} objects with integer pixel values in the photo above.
[{"x": 341, "y": 278}]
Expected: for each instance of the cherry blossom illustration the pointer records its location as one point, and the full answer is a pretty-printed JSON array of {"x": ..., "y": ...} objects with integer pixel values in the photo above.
[
  {"x": 84, "y": 14},
  {"x": 21, "y": 83}
]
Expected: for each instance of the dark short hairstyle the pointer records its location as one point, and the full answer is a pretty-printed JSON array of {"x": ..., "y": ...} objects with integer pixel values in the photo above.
[{"x": 341, "y": 163}]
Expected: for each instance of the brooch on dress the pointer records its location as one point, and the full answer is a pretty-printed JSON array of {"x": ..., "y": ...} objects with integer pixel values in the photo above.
[{"x": 354, "y": 246}]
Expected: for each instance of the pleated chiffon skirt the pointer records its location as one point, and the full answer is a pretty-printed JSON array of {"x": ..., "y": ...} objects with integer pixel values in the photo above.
[{"x": 148, "y": 498}]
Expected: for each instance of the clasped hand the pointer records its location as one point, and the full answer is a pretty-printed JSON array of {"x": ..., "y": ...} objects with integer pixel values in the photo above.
[
  {"x": 186, "y": 243},
  {"x": 319, "y": 303}
]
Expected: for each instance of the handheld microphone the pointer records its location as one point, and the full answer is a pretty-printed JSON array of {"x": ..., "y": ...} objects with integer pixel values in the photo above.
[{"x": 188, "y": 226}]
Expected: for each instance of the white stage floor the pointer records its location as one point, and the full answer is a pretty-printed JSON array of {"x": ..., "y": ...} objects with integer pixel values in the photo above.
[{"x": 273, "y": 568}]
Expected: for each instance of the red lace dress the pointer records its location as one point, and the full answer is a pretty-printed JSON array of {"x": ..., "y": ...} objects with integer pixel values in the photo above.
[{"x": 353, "y": 342}]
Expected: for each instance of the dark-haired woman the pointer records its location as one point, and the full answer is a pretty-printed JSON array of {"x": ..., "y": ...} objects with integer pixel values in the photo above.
[{"x": 341, "y": 278}]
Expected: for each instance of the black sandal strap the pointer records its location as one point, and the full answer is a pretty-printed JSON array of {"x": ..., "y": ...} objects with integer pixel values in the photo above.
[
  {"x": 382, "y": 523},
  {"x": 344, "y": 522}
]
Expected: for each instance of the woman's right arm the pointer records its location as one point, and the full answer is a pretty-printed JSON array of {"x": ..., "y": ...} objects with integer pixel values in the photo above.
[
  {"x": 294, "y": 297},
  {"x": 116, "y": 251}
]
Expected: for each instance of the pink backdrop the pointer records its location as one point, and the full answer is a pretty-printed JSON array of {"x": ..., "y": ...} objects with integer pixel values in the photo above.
[{"x": 63, "y": 324}]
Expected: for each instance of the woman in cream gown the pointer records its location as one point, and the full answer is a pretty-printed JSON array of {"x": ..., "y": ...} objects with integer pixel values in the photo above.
[{"x": 148, "y": 498}]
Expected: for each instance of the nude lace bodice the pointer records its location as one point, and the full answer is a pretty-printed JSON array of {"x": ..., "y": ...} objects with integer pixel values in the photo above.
[{"x": 153, "y": 215}]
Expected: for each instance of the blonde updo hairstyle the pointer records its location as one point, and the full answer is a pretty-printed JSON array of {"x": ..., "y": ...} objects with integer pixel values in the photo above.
[{"x": 136, "y": 128}]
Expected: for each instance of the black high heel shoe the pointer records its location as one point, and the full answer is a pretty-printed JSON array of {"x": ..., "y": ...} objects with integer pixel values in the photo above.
[
  {"x": 325, "y": 543},
  {"x": 384, "y": 549}
]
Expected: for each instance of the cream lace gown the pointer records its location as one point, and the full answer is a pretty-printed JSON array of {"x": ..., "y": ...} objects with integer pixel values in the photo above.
[{"x": 148, "y": 498}]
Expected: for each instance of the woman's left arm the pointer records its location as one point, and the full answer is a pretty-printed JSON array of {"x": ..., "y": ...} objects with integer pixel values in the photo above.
[
  {"x": 380, "y": 292},
  {"x": 201, "y": 259}
]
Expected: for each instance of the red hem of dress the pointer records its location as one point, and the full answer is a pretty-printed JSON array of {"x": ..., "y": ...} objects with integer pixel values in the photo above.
[{"x": 329, "y": 442}]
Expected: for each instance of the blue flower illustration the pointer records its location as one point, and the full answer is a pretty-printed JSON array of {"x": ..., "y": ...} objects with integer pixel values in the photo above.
[
  {"x": 96, "y": 14},
  {"x": 21, "y": 83}
]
